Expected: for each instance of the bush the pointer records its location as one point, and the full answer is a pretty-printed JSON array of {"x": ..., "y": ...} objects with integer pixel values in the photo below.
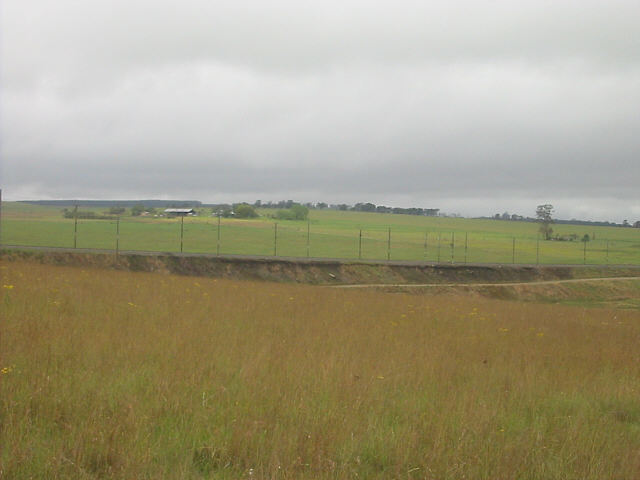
[
  {"x": 296, "y": 212},
  {"x": 84, "y": 215},
  {"x": 137, "y": 210},
  {"x": 284, "y": 215},
  {"x": 245, "y": 210}
]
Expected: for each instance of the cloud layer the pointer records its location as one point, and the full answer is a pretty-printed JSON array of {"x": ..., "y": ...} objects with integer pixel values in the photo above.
[{"x": 468, "y": 107}]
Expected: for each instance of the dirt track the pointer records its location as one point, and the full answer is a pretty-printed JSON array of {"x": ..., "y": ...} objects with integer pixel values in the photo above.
[{"x": 494, "y": 284}]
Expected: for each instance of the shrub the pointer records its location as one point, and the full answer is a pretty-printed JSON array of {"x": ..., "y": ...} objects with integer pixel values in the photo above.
[
  {"x": 296, "y": 212},
  {"x": 245, "y": 210}
]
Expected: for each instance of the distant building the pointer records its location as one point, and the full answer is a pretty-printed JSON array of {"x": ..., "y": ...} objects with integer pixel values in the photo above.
[{"x": 179, "y": 212}]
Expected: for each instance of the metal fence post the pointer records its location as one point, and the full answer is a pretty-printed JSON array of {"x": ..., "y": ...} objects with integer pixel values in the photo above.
[
  {"x": 513, "y": 251},
  {"x": 389, "y": 245},
  {"x": 118, "y": 235},
  {"x": 439, "y": 243},
  {"x": 426, "y": 240},
  {"x": 453, "y": 246},
  {"x": 538, "y": 250},
  {"x": 308, "y": 237},
  {"x": 218, "y": 242},
  {"x": 466, "y": 245},
  {"x": 75, "y": 227},
  {"x": 275, "y": 240},
  {"x": 360, "y": 245},
  {"x": 607, "y": 252},
  {"x": 181, "y": 231}
]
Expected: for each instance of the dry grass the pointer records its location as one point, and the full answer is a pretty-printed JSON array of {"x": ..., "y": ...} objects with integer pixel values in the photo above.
[{"x": 123, "y": 375}]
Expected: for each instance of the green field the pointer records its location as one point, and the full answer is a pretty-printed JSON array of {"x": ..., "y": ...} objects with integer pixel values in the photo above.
[{"x": 328, "y": 234}]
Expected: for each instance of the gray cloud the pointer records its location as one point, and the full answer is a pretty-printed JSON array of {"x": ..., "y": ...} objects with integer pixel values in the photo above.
[{"x": 424, "y": 103}]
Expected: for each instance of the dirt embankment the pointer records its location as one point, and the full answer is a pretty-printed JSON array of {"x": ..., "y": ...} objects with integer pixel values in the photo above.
[{"x": 319, "y": 272}]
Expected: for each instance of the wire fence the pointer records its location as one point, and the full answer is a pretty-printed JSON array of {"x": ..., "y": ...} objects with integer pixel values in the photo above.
[{"x": 218, "y": 236}]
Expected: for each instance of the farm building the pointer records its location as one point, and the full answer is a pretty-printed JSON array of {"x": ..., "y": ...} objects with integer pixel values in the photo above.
[{"x": 179, "y": 212}]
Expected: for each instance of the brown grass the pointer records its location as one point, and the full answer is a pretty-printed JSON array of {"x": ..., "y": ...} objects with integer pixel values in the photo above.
[{"x": 128, "y": 375}]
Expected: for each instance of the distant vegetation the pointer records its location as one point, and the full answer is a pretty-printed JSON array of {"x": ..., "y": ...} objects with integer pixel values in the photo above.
[
  {"x": 326, "y": 233},
  {"x": 358, "y": 207},
  {"x": 296, "y": 212},
  {"x": 84, "y": 214},
  {"x": 287, "y": 204},
  {"x": 118, "y": 203},
  {"x": 245, "y": 210}
]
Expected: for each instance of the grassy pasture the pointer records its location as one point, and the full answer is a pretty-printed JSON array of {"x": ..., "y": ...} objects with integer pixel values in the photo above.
[
  {"x": 107, "y": 374},
  {"x": 332, "y": 234}
]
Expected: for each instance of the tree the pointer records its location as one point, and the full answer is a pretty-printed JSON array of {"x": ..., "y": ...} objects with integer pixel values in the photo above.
[
  {"x": 116, "y": 210},
  {"x": 543, "y": 215},
  {"x": 296, "y": 212},
  {"x": 245, "y": 210},
  {"x": 300, "y": 212},
  {"x": 136, "y": 210},
  {"x": 226, "y": 212}
]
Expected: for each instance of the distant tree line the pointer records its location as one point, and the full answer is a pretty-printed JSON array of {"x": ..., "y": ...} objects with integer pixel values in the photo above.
[
  {"x": 358, "y": 207},
  {"x": 506, "y": 216},
  {"x": 288, "y": 210},
  {"x": 84, "y": 215},
  {"x": 119, "y": 203}
]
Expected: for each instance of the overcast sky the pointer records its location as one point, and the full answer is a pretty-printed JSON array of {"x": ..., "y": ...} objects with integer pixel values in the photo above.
[{"x": 472, "y": 107}]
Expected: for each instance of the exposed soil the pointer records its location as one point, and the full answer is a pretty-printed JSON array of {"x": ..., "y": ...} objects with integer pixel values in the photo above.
[{"x": 318, "y": 272}]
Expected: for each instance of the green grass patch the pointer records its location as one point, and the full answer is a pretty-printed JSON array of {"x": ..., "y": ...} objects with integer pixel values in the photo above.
[{"x": 328, "y": 234}]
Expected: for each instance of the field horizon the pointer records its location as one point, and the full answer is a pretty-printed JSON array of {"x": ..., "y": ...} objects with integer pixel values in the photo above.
[{"x": 327, "y": 234}]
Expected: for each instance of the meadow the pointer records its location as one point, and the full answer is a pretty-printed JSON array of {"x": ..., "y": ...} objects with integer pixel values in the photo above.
[
  {"x": 111, "y": 374},
  {"x": 327, "y": 234}
]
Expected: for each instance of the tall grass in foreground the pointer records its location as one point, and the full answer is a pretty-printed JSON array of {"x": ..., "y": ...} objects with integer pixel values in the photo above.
[{"x": 125, "y": 375}]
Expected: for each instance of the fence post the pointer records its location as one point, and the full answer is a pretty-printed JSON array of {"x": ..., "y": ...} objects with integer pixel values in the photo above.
[
  {"x": 538, "y": 250},
  {"x": 439, "y": 243},
  {"x": 181, "y": 231},
  {"x": 466, "y": 244},
  {"x": 308, "y": 237},
  {"x": 118, "y": 235},
  {"x": 218, "y": 243},
  {"x": 75, "y": 227},
  {"x": 584, "y": 253},
  {"x": 513, "y": 251},
  {"x": 607, "y": 252},
  {"x": 453, "y": 246},
  {"x": 275, "y": 239},
  {"x": 0, "y": 217},
  {"x": 360, "y": 245},
  {"x": 389, "y": 245},
  {"x": 426, "y": 239}
]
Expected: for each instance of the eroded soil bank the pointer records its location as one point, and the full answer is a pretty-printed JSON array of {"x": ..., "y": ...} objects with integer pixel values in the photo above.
[{"x": 315, "y": 271}]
